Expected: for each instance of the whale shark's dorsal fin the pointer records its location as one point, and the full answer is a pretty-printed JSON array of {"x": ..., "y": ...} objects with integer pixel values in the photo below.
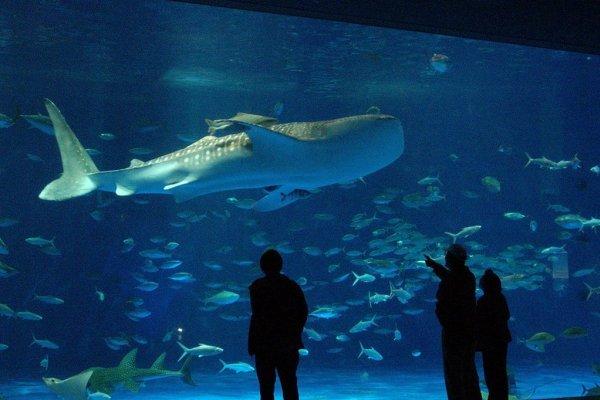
[
  {"x": 129, "y": 360},
  {"x": 224, "y": 125},
  {"x": 255, "y": 119},
  {"x": 73, "y": 388},
  {"x": 265, "y": 138}
]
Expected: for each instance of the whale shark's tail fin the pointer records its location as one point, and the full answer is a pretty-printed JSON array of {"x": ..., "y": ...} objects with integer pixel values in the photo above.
[{"x": 77, "y": 163}]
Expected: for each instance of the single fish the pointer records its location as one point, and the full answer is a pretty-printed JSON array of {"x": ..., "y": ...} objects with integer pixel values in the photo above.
[
  {"x": 28, "y": 315},
  {"x": 39, "y": 241},
  {"x": 44, "y": 362},
  {"x": 464, "y": 232},
  {"x": 236, "y": 367},
  {"x": 44, "y": 343},
  {"x": 202, "y": 350},
  {"x": 49, "y": 299},
  {"x": 222, "y": 298},
  {"x": 370, "y": 352}
]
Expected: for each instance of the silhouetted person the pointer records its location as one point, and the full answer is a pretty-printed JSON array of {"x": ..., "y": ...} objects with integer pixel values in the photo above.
[
  {"x": 492, "y": 334},
  {"x": 279, "y": 312},
  {"x": 455, "y": 310}
]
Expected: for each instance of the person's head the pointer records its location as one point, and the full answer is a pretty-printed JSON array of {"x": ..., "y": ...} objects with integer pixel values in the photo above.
[
  {"x": 271, "y": 262},
  {"x": 490, "y": 282},
  {"x": 456, "y": 256}
]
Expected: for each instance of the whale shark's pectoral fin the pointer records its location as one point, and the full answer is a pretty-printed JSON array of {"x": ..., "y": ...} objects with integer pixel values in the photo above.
[
  {"x": 280, "y": 197},
  {"x": 184, "y": 181},
  {"x": 73, "y": 388},
  {"x": 123, "y": 191}
]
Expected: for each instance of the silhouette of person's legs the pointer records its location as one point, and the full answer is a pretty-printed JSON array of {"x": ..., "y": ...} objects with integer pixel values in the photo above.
[
  {"x": 265, "y": 371},
  {"x": 453, "y": 369},
  {"x": 470, "y": 376},
  {"x": 460, "y": 374},
  {"x": 287, "y": 364},
  {"x": 494, "y": 367}
]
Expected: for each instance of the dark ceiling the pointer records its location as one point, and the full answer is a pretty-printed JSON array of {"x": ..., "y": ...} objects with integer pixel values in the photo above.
[{"x": 563, "y": 25}]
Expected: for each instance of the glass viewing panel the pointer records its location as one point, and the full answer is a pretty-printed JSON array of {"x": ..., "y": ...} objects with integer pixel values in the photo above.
[{"x": 444, "y": 133}]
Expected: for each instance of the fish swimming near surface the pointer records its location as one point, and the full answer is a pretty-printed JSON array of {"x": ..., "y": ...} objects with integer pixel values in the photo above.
[
  {"x": 289, "y": 159},
  {"x": 104, "y": 380}
]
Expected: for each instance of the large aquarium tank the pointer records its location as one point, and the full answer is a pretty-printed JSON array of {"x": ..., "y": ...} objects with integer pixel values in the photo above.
[{"x": 151, "y": 151}]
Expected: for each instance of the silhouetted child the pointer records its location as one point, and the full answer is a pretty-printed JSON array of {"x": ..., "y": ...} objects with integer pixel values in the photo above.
[{"x": 492, "y": 334}]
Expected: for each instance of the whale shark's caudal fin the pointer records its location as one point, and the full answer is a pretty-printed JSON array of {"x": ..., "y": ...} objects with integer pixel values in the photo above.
[
  {"x": 77, "y": 163},
  {"x": 74, "y": 388}
]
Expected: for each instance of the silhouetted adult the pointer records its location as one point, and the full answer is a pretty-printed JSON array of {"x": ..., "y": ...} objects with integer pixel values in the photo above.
[
  {"x": 492, "y": 334},
  {"x": 279, "y": 312},
  {"x": 455, "y": 310}
]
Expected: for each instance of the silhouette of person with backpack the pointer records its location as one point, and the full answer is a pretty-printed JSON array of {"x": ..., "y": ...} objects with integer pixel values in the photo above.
[
  {"x": 492, "y": 334},
  {"x": 279, "y": 312},
  {"x": 455, "y": 310}
]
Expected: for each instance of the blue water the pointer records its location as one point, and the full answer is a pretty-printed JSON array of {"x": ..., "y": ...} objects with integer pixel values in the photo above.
[
  {"x": 334, "y": 384},
  {"x": 150, "y": 71}
]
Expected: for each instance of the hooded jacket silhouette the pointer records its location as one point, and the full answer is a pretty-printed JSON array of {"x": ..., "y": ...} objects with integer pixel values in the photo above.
[{"x": 492, "y": 334}]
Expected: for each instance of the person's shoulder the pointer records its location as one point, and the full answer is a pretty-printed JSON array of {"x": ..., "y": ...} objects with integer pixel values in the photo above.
[
  {"x": 287, "y": 279},
  {"x": 257, "y": 283},
  {"x": 290, "y": 282}
]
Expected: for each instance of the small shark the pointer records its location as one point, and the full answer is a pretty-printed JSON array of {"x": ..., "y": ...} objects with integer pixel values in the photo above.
[
  {"x": 104, "y": 380},
  {"x": 290, "y": 159},
  {"x": 546, "y": 163}
]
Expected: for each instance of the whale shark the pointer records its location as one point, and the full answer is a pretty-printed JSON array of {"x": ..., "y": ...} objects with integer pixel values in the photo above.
[
  {"x": 288, "y": 160},
  {"x": 104, "y": 380}
]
